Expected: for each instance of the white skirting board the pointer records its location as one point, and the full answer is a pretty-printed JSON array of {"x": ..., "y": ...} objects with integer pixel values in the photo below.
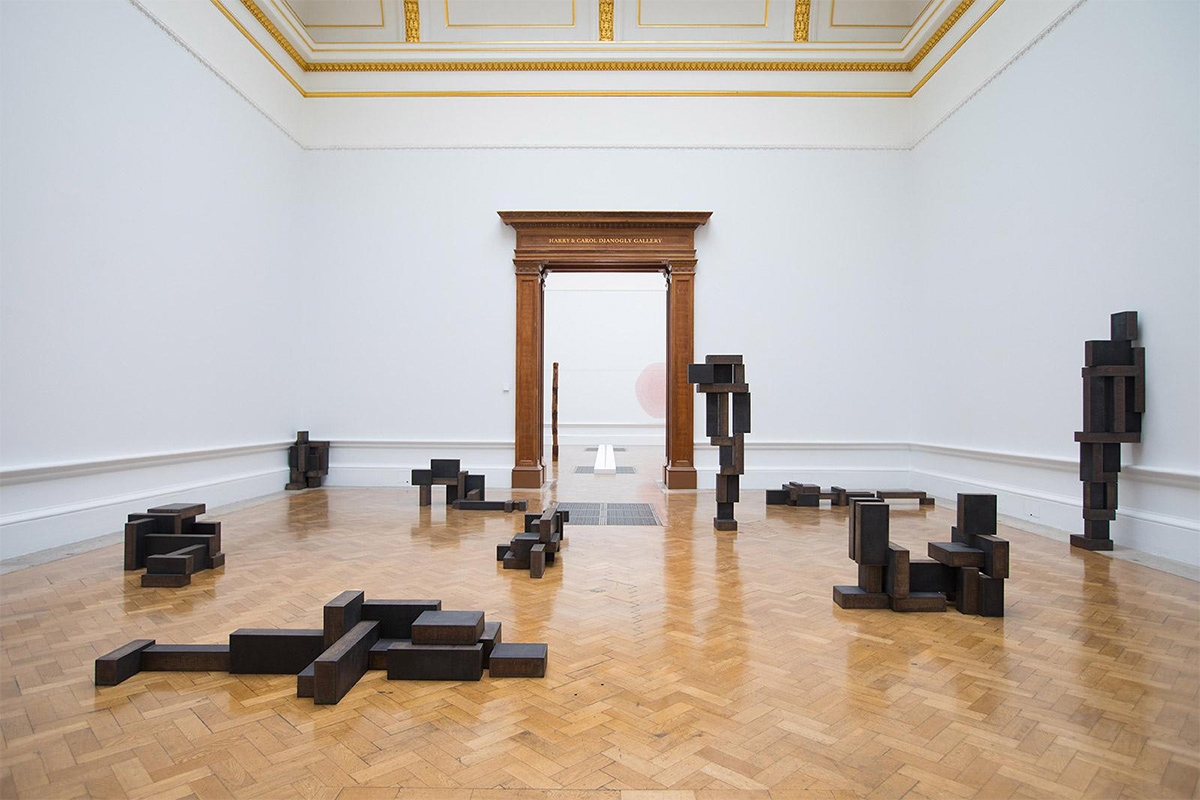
[
  {"x": 52, "y": 505},
  {"x": 1158, "y": 511},
  {"x": 390, "y": 463}
]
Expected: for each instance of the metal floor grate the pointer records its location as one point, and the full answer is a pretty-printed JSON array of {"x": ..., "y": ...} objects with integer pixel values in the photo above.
[
  {"x": 592, "y": 470},
  {"x": 630, "y": 514},
  {"x": 584, "y": 513},
  {"x": 610, "y": 513},
  {"x": 594, "y": 449}
]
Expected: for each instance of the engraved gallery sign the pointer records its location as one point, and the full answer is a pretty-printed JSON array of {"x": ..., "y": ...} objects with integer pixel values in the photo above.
[{"x": 604, "y": 240}]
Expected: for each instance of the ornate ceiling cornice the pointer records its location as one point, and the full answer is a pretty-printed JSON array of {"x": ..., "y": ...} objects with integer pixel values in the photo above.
[{"x": 607, "y": 65}]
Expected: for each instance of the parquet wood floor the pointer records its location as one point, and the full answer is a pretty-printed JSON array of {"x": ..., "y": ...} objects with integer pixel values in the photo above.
[{"x": 683, "y": 664}]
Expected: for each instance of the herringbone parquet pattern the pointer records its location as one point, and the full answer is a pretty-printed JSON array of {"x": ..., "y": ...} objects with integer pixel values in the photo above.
[{"x": 683, "y": 664}]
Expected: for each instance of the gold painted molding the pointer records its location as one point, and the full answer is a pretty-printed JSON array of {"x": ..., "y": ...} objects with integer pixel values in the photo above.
[
  {"x": 270, "y": 28},
  {"x": 412, "y": 21},
  {"x": 800, "y": 26},
  {"x": 271, "y": 59},
  {"x": 607, "y": 66},
  {"x": 606, "y": 93},
  {"x": 987, "y": 15},
  {"x": 945, "y": 27},
  {"x": 606, "y": 20}
]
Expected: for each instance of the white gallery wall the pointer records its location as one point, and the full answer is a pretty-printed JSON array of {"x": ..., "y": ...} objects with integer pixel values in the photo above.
[
  {"x": 1066, "y": 190},
  {"x": 607, "y": 332},
  {"x": 412, "y": 271},
  {"x": 147, "y": 278},
  {"x": 182, "y": 286}
]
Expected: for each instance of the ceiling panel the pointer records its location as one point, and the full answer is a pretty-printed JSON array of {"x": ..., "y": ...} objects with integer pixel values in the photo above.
[
  {"x": 354, "y": 22},
  {"x": 511, "y": 22},
  {"x": 704, "y": 13},
  {"x": 874, "y": 21},
  {"x": 875, "y": 13},
  {"x": 704, "y": 22},
  {"x": 342, "y": 14},
  {"x": 509, "y": 14}
]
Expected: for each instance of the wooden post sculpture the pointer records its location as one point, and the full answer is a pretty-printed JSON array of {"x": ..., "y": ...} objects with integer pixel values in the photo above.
[
  {"x": 411, "y": 639},
  {"x": 464, "y": 491},
  {"x": 1114, "y": 398},
  {"x": 809, "y": 495},
  {"x": 554, "y": 415},
  {"x": 969, "y": 570},
  {"x": 537, "y": 546},
  {"x": 308, "y": 463},
  {"x": 172, "y": 545},
  {"x": 722, "y": 379}
]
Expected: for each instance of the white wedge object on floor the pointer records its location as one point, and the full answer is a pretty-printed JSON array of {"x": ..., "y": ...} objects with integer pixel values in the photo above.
[{"x": 606, "y": 460}]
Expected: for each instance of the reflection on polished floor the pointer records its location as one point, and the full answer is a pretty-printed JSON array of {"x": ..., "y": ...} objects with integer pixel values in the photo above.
[{"x": 711, "y": 664}]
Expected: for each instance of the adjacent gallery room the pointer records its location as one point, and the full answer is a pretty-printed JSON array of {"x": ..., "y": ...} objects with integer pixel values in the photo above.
[{"x": 599, "y": 399}]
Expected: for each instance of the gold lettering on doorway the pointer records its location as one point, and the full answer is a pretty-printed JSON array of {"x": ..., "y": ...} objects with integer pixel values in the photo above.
[{"x": 603, "y": 240}]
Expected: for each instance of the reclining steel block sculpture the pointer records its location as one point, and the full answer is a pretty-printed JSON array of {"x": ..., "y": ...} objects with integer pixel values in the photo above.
[
  {"x": 411, "y": 639},
  {"x": 809, "y": 495},
  {"x": 172, "y": 545},
  {"x": 970, "y": 569},
  {"x": 464, "y": 491},
  {"x": 538, "y": 545}
]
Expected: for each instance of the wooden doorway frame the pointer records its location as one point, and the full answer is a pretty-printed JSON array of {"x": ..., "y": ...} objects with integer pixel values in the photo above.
[{"x": 603, "y": 241}]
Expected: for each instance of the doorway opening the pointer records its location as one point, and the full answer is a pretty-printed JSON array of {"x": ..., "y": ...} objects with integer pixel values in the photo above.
[{"x": 606, "y": 368}]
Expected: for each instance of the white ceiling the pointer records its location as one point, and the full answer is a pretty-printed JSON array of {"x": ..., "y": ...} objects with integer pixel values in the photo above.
[{"x": 349, "y": 45}]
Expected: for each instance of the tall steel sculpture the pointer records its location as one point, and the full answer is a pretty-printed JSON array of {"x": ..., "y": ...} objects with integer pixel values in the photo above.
[
  {"x": 1114, "y": 397},
  {"x": 722, "y": 379}
]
